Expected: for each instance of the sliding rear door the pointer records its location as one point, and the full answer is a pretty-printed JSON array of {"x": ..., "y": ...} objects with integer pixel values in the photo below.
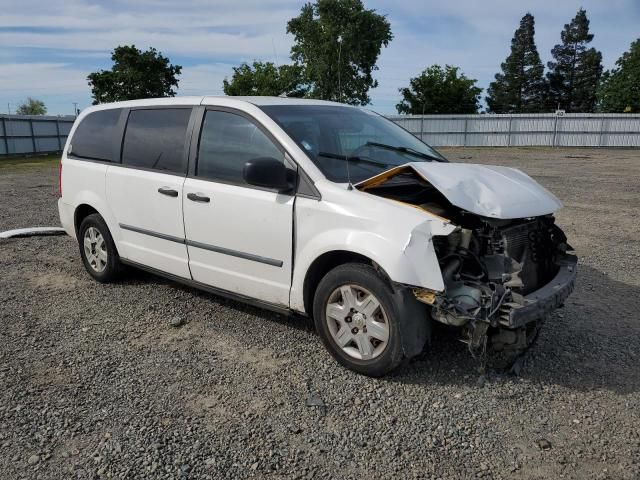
[{"x": 145, "y": 190}]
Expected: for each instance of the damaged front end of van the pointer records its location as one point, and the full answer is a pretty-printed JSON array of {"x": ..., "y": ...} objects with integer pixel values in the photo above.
[{"x": 505, "y": 266}]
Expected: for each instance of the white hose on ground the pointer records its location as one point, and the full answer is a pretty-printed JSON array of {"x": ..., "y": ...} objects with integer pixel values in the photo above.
[{"x": 33, "y": 231}]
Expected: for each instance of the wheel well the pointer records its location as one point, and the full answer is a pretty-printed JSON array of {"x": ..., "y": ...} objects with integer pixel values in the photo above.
[
  {"x": 325, "y": 263},
  {"x": 82, "y": 212}
]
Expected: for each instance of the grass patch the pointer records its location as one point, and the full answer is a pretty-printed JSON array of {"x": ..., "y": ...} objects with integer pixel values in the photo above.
[{"x": 27, "y": 162}]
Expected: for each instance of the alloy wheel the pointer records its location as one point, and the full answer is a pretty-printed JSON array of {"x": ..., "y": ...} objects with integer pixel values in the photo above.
[{"x": 95, "y": 249}]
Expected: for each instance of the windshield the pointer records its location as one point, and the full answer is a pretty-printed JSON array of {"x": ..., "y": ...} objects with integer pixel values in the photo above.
[{"x": 348, "y": 143}]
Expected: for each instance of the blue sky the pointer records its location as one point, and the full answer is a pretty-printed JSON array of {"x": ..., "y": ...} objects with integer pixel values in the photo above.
[{"x": 48, "y": 48}]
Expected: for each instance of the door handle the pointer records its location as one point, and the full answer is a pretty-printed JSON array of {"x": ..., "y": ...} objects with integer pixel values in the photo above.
[
  {"x": 169, "y": 192},
  {"x": 194, "y": 197}
]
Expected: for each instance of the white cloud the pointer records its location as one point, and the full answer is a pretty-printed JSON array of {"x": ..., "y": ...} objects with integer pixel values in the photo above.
[
  {"x": 193, "y": 28},
  {"x": 196, "y": 43},
  {"x": 41, "y": 78},
  {"x": 208, "y": 37},
  {"x": 57, "y": 84},
  {"x": 204, "y": 79}
]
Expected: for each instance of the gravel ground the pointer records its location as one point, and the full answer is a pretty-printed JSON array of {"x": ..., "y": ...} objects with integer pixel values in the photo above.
[{"x": 97, "y": 383}]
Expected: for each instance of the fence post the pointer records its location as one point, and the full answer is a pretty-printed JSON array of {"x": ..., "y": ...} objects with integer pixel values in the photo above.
[
  {"x": 555, "y": 131},
  {"x": 601, "y": 131},
  {"x": 509, "y": 134},
  {"x": 33, "y": 137},
  {"x": 58, "y": 135},
  {"x": 422, "y": 127},
  {"x": 6, "y": 136},
  {"x": 466, "y": 124}
]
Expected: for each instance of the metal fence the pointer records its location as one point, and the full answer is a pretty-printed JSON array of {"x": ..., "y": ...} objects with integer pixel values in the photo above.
[
  {"x": 544, "y": 129},
  {"x": 29, "y": 134},
  {"x": 22, "y": 135}
]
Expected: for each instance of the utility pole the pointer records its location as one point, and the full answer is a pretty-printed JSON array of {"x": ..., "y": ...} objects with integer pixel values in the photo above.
[
  {"x": 9, "y": 108},
  {"x": 75, "y": 109},
  {"x": 275, "y": 52},
  {"x": 424, "y": 106},
  {"x": 339, "y": 55}
]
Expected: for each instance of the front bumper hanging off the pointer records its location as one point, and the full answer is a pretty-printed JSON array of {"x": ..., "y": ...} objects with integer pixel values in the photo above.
[{"x": 543, "y": 301}]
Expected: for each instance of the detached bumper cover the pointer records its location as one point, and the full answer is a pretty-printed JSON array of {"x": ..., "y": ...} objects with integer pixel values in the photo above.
[{"x": 543, "y": 301}]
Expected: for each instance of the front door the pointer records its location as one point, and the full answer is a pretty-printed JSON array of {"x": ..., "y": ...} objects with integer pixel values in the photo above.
[{"x": 239, "y": 237}]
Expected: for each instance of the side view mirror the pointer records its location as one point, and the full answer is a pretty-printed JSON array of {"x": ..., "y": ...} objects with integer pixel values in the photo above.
[{"x": 269, "y": 173}]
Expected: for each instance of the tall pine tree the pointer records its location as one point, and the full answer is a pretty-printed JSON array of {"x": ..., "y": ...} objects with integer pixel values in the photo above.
[
  {"x": 521, "y": 87},
  {"x": 619, "y": 90},
  {"x": 575, "y": 72}
]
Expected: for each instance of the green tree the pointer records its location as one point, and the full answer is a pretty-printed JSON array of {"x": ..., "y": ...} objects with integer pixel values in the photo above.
[
  {"x": 31, "y": 106},
  {"x": 135, "y": 74},
  {"x": 265, "y": 79},
  {"x": 440, "y": 90},
  {"x": 619, "y": 90},
  {"x": 520, "y": 87},
  {"x": 575, "y": 72},
  {"x": 337, "y": 44}
]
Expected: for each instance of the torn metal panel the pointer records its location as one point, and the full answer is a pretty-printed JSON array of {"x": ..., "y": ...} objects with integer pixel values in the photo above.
[
  {"x": 489, "y": 191},
  {"x": 425, "y": 296},
  {"x": 420, "y": 253}
]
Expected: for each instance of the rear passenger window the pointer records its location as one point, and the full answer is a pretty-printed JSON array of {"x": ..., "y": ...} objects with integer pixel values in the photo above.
[
  {"x": 94, "y": 137},
  {"x": 227, "y": 142},
  {"x": 155, "y": 139}
]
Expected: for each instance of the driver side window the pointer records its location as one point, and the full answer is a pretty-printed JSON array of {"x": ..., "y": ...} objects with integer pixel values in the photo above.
[{"x": 227, "y": 142}]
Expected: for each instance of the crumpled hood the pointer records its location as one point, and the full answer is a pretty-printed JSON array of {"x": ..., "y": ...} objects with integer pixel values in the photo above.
[{"x": 490, "y": 191}]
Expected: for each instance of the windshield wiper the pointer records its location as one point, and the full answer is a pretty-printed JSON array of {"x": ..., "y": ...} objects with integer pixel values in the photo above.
[
  {"x": 408, "y": 150},
  {"x": 348, "y": 158}
]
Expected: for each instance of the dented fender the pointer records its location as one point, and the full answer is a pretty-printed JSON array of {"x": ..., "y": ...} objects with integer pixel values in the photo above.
[{"x": 396, "y": 236}]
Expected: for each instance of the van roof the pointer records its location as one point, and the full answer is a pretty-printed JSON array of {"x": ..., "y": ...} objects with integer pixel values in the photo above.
[
  {"x": 210, "y": 100},
  {"x": 257, "y": 100}
]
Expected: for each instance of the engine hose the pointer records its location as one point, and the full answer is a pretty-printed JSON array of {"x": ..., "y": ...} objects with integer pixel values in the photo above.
[
  {"x": 451, "y": 269},
  {"x": 475, "y": 257},
  {"x": 469, "y": 276},
  {"x": 499, "y": 304}
]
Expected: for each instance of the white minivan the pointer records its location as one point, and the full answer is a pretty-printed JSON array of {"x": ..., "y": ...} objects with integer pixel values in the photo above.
[{"x": 320, "y": 209}]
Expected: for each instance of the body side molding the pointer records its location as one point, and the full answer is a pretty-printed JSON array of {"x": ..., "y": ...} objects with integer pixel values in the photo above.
[{"x": 204, "y": 246}]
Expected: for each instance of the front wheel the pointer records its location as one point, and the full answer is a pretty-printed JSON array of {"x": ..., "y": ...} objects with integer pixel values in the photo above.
[{"x": 359, "y": 319}]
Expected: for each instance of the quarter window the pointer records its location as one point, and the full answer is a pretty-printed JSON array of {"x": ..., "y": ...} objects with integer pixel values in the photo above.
[
  {"x": 94, "y": 137},
  {"x": 155, "y": 139},
  {"x": 227, "y": 142}
]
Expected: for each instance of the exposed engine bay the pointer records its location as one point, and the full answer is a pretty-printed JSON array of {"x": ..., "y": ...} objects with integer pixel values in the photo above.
[{"x": 492, "y": 268}]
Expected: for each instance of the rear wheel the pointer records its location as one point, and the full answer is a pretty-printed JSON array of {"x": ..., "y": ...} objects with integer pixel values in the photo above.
[
  {"x": 97, "y": 249},
  {"x": 359, "y": 318}
]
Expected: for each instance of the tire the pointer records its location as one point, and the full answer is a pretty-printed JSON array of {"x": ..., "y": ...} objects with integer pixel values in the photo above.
[
  {"x": 100, "y": 256},
  {"x": 406, "y": 320}
]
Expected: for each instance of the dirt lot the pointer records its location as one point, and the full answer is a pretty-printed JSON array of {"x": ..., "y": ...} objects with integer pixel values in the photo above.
[{"x": 96, "y": 383}]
